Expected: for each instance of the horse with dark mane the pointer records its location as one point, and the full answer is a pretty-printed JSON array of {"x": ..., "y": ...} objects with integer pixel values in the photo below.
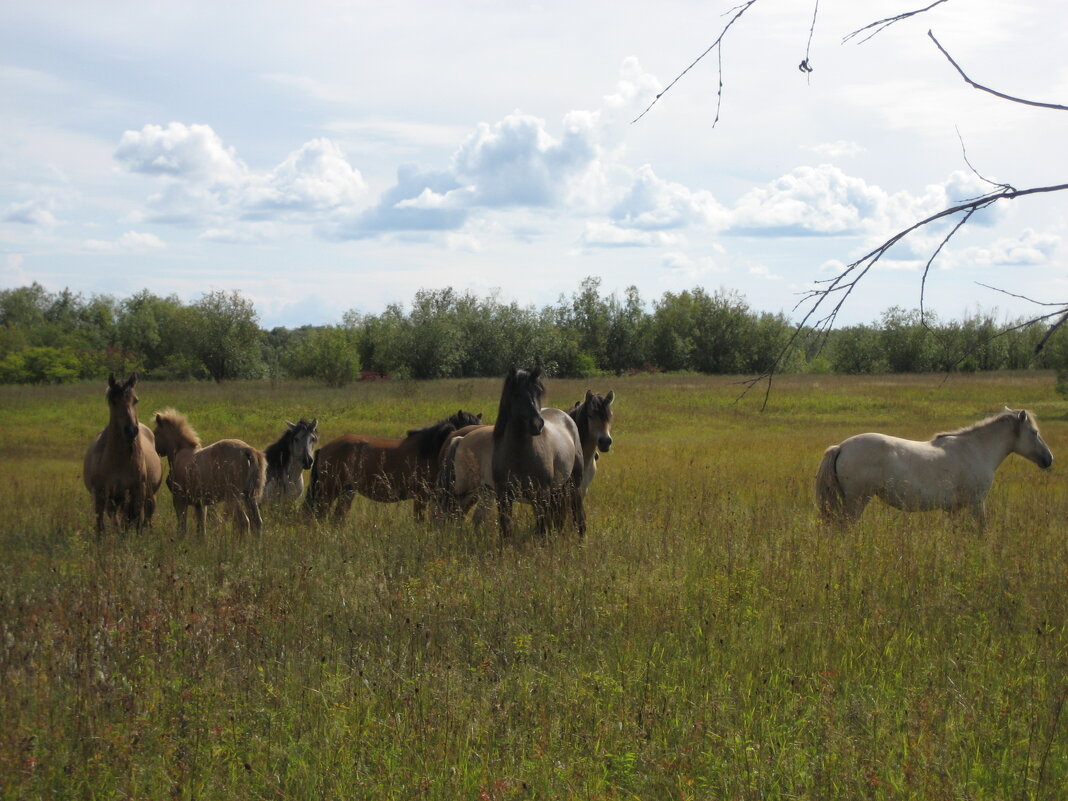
[
  {"x": 287, "y": 459},
  {"x": 593, "y": 417},
  {"x": 537, "y": 456},
  {"x": 382, "y": 469},
  {"x": 228, "y": 470},
  {"x": 121, "y": 469}
]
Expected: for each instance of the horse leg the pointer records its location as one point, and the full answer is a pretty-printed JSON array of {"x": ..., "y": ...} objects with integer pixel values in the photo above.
[
  {"x": 504, "y": 513},
  {"x": 344, "y": 501},
  {"x": 99, "y": 505},
  {"x": 578, "y": 510},
  {"x": 237, "y": 514},
  {"x": 180, "y": 508},
  {"x": 852, "y": 508},
  {"x": 201, "y": 513},
  {"x": 254, "y": 515}
]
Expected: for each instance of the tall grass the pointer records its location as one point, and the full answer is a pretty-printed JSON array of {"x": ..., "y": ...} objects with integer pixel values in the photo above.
[{"x": 707, "y": 639}]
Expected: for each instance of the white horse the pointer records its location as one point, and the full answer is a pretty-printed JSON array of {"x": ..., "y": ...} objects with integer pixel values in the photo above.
[{"x": 953, "y": 471}]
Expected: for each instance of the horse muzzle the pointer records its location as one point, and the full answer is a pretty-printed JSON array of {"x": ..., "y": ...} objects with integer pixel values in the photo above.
[
  {"x": 604, "y": 443},
  {"x": 130, "y": 432},
  {"x": 536, "y": 425}
]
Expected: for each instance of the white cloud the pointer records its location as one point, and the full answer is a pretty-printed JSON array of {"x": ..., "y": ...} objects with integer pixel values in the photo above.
[
  {"x": 31, "y": 212},
  {"x": 835, "y": 150},
  {"x": 130, "y": 242},
  {"x": 315, "y": 178},
  {"x": 692, "y": 269},
  {"x": 1031, "y": 248},
  {"x": 609, "y": 235},
  {"x": 190, "y": 152},
  {"x": 652, "y": 203}
]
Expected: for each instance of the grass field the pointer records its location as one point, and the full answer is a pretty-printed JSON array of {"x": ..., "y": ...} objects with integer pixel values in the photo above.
[{"x": 708, "y": 639}]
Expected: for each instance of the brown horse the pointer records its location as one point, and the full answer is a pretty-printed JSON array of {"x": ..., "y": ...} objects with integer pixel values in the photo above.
[
  {"x": 228, "y": 470},
  {"x": 593, "y": 416},
  {"x": 121, "y": 469},
  {"x": 386, "y": 470},
  {"x": 466, "y": 475},
  {"x": 537, "y": 456}
]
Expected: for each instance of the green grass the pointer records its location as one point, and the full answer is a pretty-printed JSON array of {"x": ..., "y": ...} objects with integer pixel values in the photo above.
[{"x": 706, "y": 640}]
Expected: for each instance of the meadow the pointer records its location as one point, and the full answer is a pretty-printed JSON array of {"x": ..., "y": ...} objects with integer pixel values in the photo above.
[{"x": 707, "y": 639}]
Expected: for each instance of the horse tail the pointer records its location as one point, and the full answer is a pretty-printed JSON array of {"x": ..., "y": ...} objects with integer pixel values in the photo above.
[
  {"x": 829, "y": 492},
  {"x": 256, "y": 480},
  {"x": 447, "y": 477}
]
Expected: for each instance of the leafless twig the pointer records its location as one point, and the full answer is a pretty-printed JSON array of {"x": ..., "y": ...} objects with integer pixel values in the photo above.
[
  {"x": 881, "y": 25},
  {"x": 1002, "y": 95},
  {"x": 737, "y": 11}
]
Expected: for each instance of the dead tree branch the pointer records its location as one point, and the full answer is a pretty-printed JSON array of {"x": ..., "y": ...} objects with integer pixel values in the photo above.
[
  {"x": 737, "y": 11},
  {"x": 994, "y": 92},
  {"x": 881, "y": 25}
]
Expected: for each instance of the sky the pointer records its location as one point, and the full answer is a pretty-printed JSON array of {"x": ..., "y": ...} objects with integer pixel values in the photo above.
[{"x": 327, "y": 156}]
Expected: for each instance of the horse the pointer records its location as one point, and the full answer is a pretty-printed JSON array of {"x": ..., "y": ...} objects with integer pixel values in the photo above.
[
  {"x": 953, "y": 471},
  {"x": 287, "y": 459},
  {"x": 385, "y": 470},
  {"x": 121, "y": 469},
  {"x": 537, "y": 456},
  {"x": 593, "y": 417},
  {"x": 466, "y": 474},
  {"x": 228, "y": 470}
]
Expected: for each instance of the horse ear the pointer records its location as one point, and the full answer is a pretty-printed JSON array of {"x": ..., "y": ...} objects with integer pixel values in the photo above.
[
  {"x": 589, "y": 395},
  {"x": 131, "y": 382},
  {"x": 111, "y": 381},
  {"x": 290, "y": 425},
  {"x": 536, "y": 372},
  {"x": 479, "y": 417},
  {"x": 1023, "y": 415},
  {"x": 314, "y": 424},
  {"x": 159, "y": 418},
  {"x": 611, "y": 396}
]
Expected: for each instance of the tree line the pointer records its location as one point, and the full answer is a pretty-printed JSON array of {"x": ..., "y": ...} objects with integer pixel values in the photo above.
[{"x": 48, "y": 337}]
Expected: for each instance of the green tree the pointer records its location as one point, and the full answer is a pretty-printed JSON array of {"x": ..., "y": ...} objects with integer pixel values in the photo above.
[
  {"x": 226, "y": 337},
  {"x": 330, "y": 354}
]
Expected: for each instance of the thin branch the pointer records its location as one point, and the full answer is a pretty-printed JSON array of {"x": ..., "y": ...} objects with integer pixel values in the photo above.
[
  {"x": 830, "y": 295},
  {"x": 979, "y": 86},
  {"x": 806, "y": 66},
  {"x": 881, "y": 25},
  {"x": 738, "y": 11}
]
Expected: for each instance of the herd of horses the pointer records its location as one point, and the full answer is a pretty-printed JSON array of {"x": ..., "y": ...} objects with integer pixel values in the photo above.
[{"x": 544, "y": 457}]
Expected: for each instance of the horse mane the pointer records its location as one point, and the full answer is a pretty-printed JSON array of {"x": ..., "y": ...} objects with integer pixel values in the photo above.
[
  {"x": 1000, "y": 417},
  {"x": 178, "y": 420},
  {"x": 532, "y": 377},
  {"x": 279, "y": 452},
  {"x": 429, "y": 439}
]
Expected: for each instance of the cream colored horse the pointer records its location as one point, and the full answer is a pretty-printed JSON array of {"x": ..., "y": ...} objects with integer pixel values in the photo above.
[
  {"x": 953, "y": 471},
  {"x": 228, "y": 470}
]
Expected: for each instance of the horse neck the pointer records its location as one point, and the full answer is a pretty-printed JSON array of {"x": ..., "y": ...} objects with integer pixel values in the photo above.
[{"x": 995, "y": 441}]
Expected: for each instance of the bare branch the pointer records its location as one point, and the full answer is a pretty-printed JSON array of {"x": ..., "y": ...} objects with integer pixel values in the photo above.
[
  {"x": 806, "y": 66},
  {"x": 830, "y": 295},
  {"x": 737, "y": 11},
  {"x": 881, "y": 25},
  {"x": 1002, "y": 95}
]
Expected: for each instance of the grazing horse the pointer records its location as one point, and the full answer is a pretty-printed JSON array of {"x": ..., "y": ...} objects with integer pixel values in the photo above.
[
  {"x": 537, "y": 456},
  {"x": 954, "y": 470},
  {"x": 121, "y": 469},
  {"x": 386, "y": 470},
  {"x": 287, "y": 459},
  {"x": 466, "y": 475},
  {"x": 228, "y": 470},
  {"x": 593, "y": 416}
]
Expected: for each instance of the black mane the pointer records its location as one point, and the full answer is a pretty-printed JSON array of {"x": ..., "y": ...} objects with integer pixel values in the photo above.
[
  {"x": 517, "y": 384},
  {"x": 594, "y": 406},
  {"x": 429, "y": 439}
]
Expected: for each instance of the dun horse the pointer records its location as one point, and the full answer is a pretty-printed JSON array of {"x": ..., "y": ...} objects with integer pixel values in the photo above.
[
  {"x": 466, "y": 476},
  {"x": 385, "y": 470},
  {"x": 953, "y": 471},
  {"x": 537, "y": 456},
  {"x": 121, "y": 469},
  {"x": 228, "y": 470},
  {"x": 287, "y": 459}
]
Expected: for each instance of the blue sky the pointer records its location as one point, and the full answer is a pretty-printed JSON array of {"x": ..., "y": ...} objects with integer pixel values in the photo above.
[{"x": 327, "y": 156}]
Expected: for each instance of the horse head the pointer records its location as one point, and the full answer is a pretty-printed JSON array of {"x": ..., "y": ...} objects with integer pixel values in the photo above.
[
  {"x": 305, "y": 437},
  {"x": 521, "y": 400},
  {"x": 122, "y": 403},
  {"x": 602, "y": 418},
  {"x": 1029, "y": 443}
]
